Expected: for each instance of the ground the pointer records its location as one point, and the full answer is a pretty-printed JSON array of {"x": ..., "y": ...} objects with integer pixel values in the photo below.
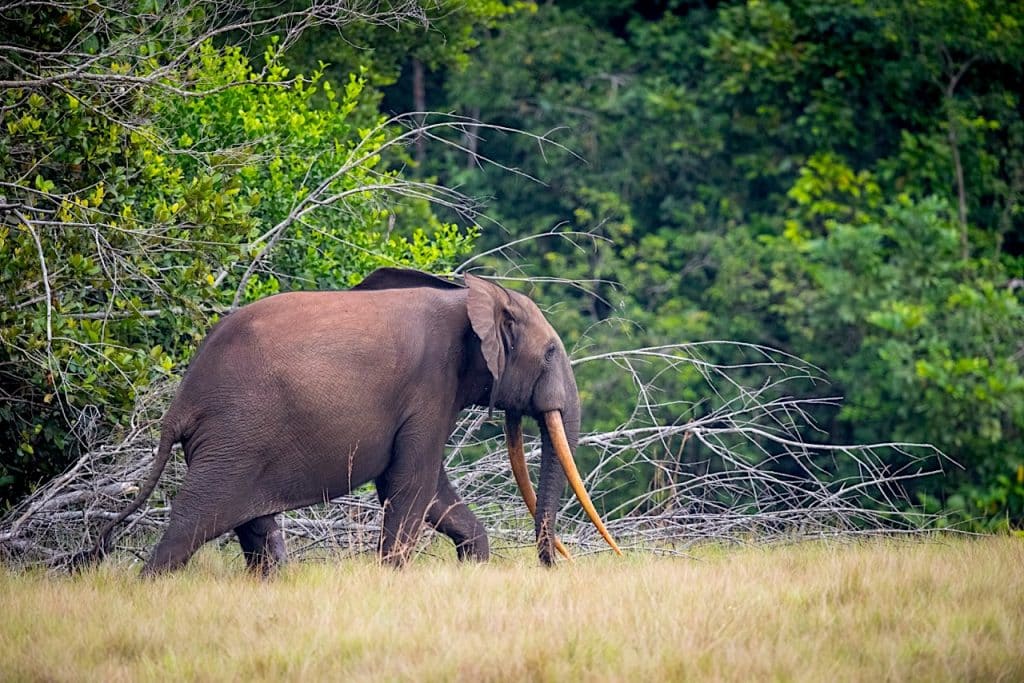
[{"x": 933, "y": 609}]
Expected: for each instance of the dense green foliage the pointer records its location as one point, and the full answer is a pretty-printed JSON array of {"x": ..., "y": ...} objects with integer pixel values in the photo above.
[
  {"x": 131, "y": 222},
  {"x": 840, "y": 180}
]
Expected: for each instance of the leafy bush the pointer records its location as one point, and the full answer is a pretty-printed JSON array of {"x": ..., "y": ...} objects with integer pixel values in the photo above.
[{"x": 130, "y": 237}]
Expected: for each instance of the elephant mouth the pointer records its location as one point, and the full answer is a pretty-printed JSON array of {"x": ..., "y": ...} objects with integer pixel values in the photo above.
[{"x": 517, "y": 458}]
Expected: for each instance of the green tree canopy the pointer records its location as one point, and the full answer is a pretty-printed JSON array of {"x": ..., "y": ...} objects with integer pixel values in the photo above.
[
  {"x": 840, "y": 180},
  {"x": 153, "y": 177}
]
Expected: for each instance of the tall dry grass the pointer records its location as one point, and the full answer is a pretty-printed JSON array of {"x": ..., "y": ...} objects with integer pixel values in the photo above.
[{"x": 942, "y": 609}]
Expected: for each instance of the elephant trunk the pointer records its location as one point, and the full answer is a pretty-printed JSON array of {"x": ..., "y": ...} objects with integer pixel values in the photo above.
[
  {"x": 551, "y": 485},
  {"x": 560, "y": 431},
  {"x": 517, "y": 457},
  {"x": 559, "y": 435}
]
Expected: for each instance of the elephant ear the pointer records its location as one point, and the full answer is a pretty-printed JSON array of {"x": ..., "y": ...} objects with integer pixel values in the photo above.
[{"x": 490, "y": 314}]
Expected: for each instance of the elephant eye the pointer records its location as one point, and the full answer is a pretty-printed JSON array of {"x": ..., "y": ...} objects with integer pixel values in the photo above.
[{"x": 549, "y": 353}]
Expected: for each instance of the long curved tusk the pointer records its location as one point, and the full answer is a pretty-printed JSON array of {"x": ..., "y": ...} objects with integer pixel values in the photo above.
[
  {"x": 553, "y": 420},
  {"x": 516, "y": 455}
]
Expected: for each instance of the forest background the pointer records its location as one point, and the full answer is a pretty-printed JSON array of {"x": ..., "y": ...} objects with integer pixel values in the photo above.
[{"x": 842, "y": 181}]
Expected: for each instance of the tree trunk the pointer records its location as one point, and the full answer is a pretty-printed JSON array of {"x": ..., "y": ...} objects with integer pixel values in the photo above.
[
  {"x": 954, "y": 147},
  {"x": 472, "y": 139},
  {"x": 419, "y": 103},
  {"x": 961, "y": 191}
]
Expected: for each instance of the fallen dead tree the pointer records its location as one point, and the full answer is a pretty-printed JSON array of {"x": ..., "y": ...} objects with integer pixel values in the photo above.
[{"x": 738, "y": 466}]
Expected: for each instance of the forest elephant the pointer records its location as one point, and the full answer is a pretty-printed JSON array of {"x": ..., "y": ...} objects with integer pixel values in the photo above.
[{"x": 301, "y": 397}]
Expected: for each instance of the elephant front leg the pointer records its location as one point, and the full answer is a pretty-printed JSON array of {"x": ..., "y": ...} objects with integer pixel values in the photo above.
[
  {"x": 449, "y": 514},
  {"x": 408, "y": 487},
  {"x": 405, "y": 505}
]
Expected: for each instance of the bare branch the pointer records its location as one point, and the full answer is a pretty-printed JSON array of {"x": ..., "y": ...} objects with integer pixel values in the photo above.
[
  {"x": 46, "y": 282},
  {"x": 327, "y": 193},
  {"x": 742, "y": 472}
]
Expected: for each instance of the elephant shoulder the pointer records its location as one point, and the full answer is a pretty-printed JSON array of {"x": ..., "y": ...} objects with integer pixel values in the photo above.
[{"x": 404, "y": 278}]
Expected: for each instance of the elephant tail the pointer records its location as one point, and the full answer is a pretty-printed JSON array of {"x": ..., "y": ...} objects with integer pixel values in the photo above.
[{"x": 169, "y": 435}]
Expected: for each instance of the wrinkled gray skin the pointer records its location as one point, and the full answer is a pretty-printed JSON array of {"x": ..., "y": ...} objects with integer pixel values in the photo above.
[{"x": 301, "y": 397}]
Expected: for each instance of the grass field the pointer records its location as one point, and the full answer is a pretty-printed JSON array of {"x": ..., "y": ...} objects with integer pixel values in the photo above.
[{"x": 940, "y": 609}]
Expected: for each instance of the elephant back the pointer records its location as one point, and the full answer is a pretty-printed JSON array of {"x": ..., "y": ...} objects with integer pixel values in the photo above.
[{"x": 404, "y": 278}]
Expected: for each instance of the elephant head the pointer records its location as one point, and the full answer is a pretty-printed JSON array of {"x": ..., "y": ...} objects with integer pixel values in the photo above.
[{"x": 531, "y": 375}]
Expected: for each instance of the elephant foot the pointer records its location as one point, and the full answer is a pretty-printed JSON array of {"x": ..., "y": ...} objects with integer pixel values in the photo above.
[
  {"x": 475, "y": 549},
  {"x": 263, "y": 545}
]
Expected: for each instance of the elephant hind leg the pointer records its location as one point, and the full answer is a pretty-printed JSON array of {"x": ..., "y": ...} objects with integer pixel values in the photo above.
[
  {"x": 200, "y": 512},
  {"x": 183, "y": 537},
  {"x": 450, "y": 515},
  {"x": 262, "y": 544}
]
